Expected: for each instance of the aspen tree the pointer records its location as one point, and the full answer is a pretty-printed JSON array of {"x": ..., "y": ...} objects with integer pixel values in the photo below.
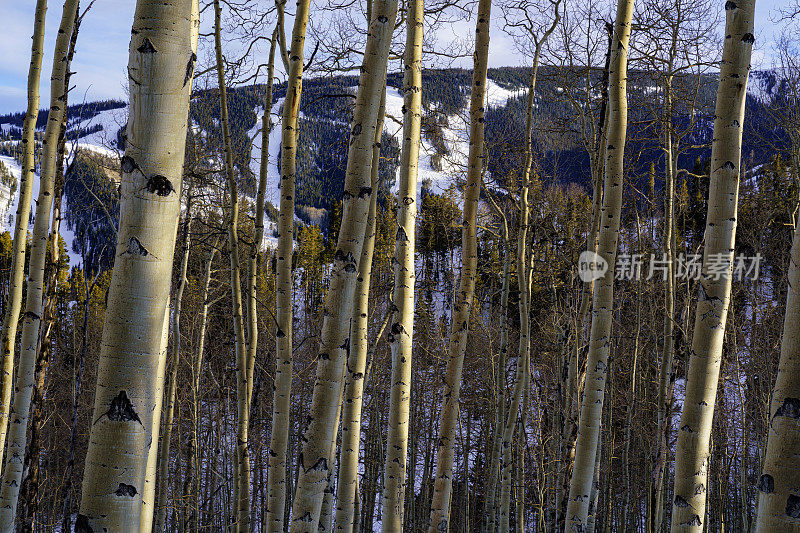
[
  {"x": 192, "y": 479},
  {"x": 347, "y": 485},
  {"x": 603, "y": 297},
  {"x": 314, "y": 464},
  {"x": 666, "y": 374},
  {"x": 258, "y": 235},
  {"x": 692, "y": 449},
  {"x": 17, "y": 274},
  {"x": 523, "y": 279},
  {"x": 459, "y": 329},
  {"x": 243, "y": 380},
  {"x": 164, "y": 448},
  {"x": 23, "y": 389},
  {"x": 491, "y": 507},
  {"x": 779, "y": 501},
  {"x": 281, "y": 401},
  {"x": 160, "y": 70},
  {"x": 596, "y": 143},
  {"x": 151, "y": 469},
  {"x": 401, "y": 334},
  {"x": 31, "y": 482}
]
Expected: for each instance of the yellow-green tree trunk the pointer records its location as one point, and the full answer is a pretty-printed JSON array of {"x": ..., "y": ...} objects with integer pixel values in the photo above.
[
  {"x": 34, "y": 298},
  {"x": 17, "y": 274},
  {"x": 401, "y": 334},
  {"x": 459, "y": 329},
  {"x": 282, "y": 392}
]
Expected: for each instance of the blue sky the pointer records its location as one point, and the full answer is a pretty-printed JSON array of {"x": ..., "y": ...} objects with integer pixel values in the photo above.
[{"x": 103, "y": 49}]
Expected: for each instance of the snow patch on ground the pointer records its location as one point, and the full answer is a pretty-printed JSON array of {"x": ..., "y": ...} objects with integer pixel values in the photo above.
[
  {"x": 273, "y": 191},
  {"x": 9, "y": 203},
  {"x": 104, "y": 141},
  {"x": 497, "y": 96}
]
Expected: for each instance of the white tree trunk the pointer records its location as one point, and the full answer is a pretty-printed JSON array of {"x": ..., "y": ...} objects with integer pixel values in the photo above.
[
  {"x": 347, "y": 485},
  {"x": 779, "y": 501},
  {"x": 314, "y": 464},
  {"x": 17, "y": 274},
  {"x": 694, "y": 434},
  {"x": 603, "y": 299},
  {"x": 160, "y": 72}
]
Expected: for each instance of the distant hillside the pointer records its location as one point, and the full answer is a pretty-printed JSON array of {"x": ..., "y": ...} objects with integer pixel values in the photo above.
[{"x": 326, "y": 112}]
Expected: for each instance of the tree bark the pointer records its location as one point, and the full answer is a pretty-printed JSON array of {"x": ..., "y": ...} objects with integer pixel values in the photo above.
[
  {"x": 603, "y": 298},
  {"x": 34, "y": 299},
  {"x": 692, "y": 450},
  {"x": 779, "y": 502},
  {"x": 160, "y": 71},
  {"x": 17, "y": 274},
  {"x": 347, "y": 485},
  {"x": 149, "y": 491},
  {"x": 401, "y": 334},
  {"x": 314, "y": 465},
  {"x": 459, "y": 328},
  {"x": 282, "y": 393}
]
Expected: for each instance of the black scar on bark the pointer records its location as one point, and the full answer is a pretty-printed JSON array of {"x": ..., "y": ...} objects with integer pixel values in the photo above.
[
  {"x": 695, "y": 521},
  {"x": 730, "y": 5},
  {"x": 748, "y": 38},
  {"x": 793, "y": 506},
  {"x": 357, "y": 129},
  {"x": 280, "y": 334},
  {"x": 383, "y": 19},
  {"x": 189, "y": 68},
  {"x": 364, "y": 192},
  {"x": 135, "y": 247},
  {"x": 147, "y": 47},
  {"x": 126, "y": 490},
  {"x": 305, "y": 518},
  {"x": 790, "y": 408},
  {"x": 401, "y": 234},
  {"x": 766, "y": 484},
  {"x": 159, "y": 185},
  {"x": 82, "y": 524},
  {"x": 320, "y": 466},
  {"x": 128, "y": 165},
  {"x": 121, "y": 409},
  {"x": 680, "y": 502}
]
